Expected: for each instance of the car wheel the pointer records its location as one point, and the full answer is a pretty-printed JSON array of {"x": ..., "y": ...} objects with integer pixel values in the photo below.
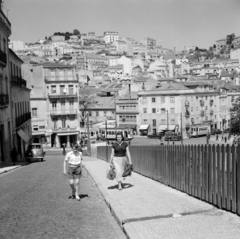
[{"x": 41, "y": 159}]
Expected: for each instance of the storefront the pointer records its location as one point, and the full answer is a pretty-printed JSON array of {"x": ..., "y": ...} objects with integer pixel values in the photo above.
[
  {"x": 163, "y": 128},
  {"x": 22, "y": 142}
]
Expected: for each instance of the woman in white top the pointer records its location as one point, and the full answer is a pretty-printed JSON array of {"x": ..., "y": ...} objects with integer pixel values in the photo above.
[{"x": 73, "y": 160}]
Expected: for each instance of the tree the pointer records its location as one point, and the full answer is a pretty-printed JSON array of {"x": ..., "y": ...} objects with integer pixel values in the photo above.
[
  {"x": 235, "y": 117},
  {"x": 230, "y": 39},
  {"x": 76, "y": 32},
  {"x": 85, "y": 102},
  {"x": 214, "y": 46}
]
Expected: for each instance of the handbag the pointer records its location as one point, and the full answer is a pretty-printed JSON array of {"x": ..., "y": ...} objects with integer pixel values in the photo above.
[
  {"x": 128, "y": 170},
  {"x": 111, "y": 174}
]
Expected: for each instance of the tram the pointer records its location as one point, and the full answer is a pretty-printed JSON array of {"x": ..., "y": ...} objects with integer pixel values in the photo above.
[{"x": 199, "y": 130}]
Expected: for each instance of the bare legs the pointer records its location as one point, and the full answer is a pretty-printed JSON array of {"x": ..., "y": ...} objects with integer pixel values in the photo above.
[{"x": 74, "y": 184}]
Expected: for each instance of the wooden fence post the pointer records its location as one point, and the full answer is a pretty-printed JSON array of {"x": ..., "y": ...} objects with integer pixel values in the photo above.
[
  {"x": 234, "y": 178},
  {"x": 238, "y": 179}
]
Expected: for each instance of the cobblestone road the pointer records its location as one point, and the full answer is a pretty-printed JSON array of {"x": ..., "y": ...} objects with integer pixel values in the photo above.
[{"x": 34, "y": 204}]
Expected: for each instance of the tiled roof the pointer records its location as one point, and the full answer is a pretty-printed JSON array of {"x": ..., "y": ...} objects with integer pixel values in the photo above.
[
  {"x": 226, "y": 74},
  {"x": 172, "y": 86}
]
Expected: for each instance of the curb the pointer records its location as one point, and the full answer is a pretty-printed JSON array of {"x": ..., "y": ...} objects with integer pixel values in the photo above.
[
  {"x": 9, "y": 170},
  {"x": 115, "y": 209}
]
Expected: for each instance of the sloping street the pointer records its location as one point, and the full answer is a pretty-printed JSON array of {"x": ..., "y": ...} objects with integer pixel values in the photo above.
[{"x": 34, "y": 203}]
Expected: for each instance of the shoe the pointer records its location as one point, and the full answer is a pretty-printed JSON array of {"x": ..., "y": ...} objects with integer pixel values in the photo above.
[
  {"x": 77, "y": 197},
  {"x": 72, "y": 197}
]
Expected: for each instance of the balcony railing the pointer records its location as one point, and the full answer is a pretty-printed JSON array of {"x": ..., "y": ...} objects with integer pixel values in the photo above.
[
  {"x": 60, "y": 78},
  {"x": 187, "y": 104},
  {"x": 16, "y": 80},
  {"x": 64, "y": 129},
  {"x": 3, "y": 59},
  {"x": 4, "y": 100},
  {"x": 22, "y": 119},
  {"x": 62, "y": 95},
  {"x": 63, "y": 112}
]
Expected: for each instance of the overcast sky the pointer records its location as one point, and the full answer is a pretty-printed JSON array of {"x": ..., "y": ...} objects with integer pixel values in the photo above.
[{"x": 172, "y": 23}]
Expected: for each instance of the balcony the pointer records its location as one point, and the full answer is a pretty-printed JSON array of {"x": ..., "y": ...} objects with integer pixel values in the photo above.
[
  {"x": 4, "y": 100},
  {"x": 16, "y": 80},
  {"x": 67, "y": 129},
  {"x": 22, "y": 119},
  {"x": 211, "y": 112},
  {"x": 63, "y": 112},
  {"x": 58, "y": 79},
  {"x": 3, "y": 59},
  {"x": 211, "y": 102},
  {"x": 62, "y": 95},
  {"x": 202, "y": 103},
  {"x": 187, "y": 104}
]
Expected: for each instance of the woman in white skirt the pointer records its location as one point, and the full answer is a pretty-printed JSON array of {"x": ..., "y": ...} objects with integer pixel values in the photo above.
[{"x": 120, "y": 153}]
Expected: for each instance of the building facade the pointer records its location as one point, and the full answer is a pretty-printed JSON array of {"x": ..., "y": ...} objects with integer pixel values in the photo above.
[
  {"x": 5, "y": 98},
  {"x": 110, "y": 36}
]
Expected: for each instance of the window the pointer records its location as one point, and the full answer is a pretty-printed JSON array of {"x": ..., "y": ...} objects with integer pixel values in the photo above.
[
  {"x": 191, "y": 109},
  {"x": 154, "y": 122},
  {"x": 105, "y": 113},
  {"x": 163, "y": 111},
  {"x": 162, "y": 99},
  {"x": 172, "y": 121},
  {"x": 163, "y": 121},
  {"x": 35, "y": 127},
  {"x": 145, "y": 110},
  {"x": 144, "y": 100},
  {"x": 53, "y": 89},
  {"x": 63, "y": 123},
  {"x": 197, "y": 108},
  {"x": 153, "y": 100},
  {"x": 90, "y": 113},
  {"x": 34, "y": 112},
  {"x": 97, "y": 113},
  {"x": 41, "y": 127},
  {"x": 206, "y": 107},
  {"x": 153, "y": 110},
  {"x": 172, "y": 100},
  {"x": 144, "y": 121},
  {"x": 172, "y": 110}
]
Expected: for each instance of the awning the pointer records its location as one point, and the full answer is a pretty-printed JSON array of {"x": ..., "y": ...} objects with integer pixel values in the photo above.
[
  {"x": 127, "y": 126},
  {"x": 67, "y": 133},
  {"x": 164, "y": 127},
  {"x": 144, "y": 127},
  {"x": 38, "y": 133},
  {"x": 23, "y": 135}
]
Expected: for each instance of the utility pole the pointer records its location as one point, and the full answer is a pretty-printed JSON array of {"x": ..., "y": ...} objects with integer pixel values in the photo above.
[
  {"x": 181, "y": 131},
  {"x": 89, "y": 142},
  {"x": 106, "y": 141},
  {"x": 167, "y": 127},
  {"x": 115, "y": 114}
]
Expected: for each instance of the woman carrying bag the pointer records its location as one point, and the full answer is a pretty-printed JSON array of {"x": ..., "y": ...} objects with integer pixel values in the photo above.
[{"x": 120, "y": 153}]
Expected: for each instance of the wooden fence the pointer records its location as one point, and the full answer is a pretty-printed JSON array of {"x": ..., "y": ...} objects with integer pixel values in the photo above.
[{"x": 208, "y": 172}]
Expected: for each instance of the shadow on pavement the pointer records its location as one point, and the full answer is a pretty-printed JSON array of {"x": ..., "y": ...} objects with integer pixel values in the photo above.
[{"x": 124, "y": 186}]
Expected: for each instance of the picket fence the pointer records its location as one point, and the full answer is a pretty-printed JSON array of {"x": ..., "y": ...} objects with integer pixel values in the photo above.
[{"x": 208, "y": 172}]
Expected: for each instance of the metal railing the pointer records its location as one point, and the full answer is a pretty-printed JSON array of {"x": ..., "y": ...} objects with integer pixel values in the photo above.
[
  {"x": 62, "y": 95},
  {"x": 59, "y": 78},
  {"x": 3, "y": 58},
  {"x": 63, "y": 112},
  {"x": 16, "y": 80}
]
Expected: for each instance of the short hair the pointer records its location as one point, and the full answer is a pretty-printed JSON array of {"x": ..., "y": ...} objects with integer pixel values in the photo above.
[
  {"x": 120, "y": 135},
  {"x": 75, "y": 145}
]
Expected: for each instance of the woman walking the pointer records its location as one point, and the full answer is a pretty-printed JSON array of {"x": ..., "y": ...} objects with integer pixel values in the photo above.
[
  {"x": 118, "y": 158},
  {"x": 73, "y": 161}
]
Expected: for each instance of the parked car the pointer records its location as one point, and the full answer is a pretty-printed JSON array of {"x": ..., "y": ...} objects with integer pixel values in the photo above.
[
  {"x": 213, "y": 132},
  {"x": 226, "y": 130},
  {"x": 154, "y": 136},
  {"x": 34, "y": 151},
  {"x": 218, "y": 131},
  {"x": 172, "y": 136}
]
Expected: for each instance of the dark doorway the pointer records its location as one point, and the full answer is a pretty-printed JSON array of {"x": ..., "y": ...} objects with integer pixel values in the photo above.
[
  {"x": 1, "y": 144},
  {"x": 63, "y": 140}
]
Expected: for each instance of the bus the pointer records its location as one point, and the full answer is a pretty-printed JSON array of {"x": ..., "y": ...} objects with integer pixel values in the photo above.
[{"x": 199, "y": 130}]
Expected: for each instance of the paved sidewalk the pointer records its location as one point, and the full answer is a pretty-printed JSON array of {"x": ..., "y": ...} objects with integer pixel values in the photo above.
[
  {"x": 147, "y": 209},
  {"x": 9, "y": 167}
]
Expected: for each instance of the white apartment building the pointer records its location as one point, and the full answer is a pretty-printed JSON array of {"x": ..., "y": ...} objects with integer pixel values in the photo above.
[
  {"x": 110, "y": 36},
  {"x": 17, "y": 45}
]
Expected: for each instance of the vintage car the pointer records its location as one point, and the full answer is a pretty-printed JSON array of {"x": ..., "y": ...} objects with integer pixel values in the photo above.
[
  {"x": 34, "y": 151},
  {"x": 172, "y": 136}
]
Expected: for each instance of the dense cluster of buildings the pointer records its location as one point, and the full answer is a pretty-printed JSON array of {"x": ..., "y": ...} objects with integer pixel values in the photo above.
[{"x": 138, "y": 85}]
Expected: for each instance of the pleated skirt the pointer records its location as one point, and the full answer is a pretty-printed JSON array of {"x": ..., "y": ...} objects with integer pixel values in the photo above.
[{"x": 120, "y": 165}]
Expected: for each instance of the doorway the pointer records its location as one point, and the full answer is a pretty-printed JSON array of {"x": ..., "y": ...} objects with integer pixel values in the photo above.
[{"x": 1, "y": 144}]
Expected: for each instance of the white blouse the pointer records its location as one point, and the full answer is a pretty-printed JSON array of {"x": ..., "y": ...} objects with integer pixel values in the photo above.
[{"x": 73, "y": 159}]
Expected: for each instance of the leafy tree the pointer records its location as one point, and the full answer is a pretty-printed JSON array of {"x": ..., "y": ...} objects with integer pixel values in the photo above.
[
  {"x": 86, "y": 100},
  {"x": 76, "y": 32},
  {"x": 214, "y": 46},
  {"x": 196, "y": 48},
  {"x": 230, "y": 39},
  {"x": 235, "y": 117}
]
